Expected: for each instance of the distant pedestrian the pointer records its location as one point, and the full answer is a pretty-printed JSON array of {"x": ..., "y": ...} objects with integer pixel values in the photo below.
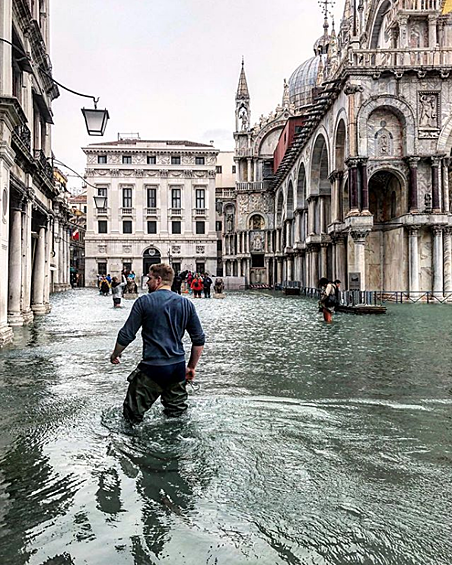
[
  {"x": 207, "y": 283},
  {"x": 104, "y": 287},
  {"x": 164, "y": 317},
  {"x": 219, "y": 286},
  {"x": 177, "y": 284},
  {"x": 117, "y": 290},
  {"x": 329, "y": 299},
  {"x": 197, "y": 286}
]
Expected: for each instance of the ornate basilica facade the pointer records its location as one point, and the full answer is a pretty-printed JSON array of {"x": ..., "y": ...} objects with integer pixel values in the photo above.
[{"x": 349, "y": 177}]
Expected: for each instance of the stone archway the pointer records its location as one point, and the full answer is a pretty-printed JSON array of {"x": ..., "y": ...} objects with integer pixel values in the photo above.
[{"x": 386, "y": 246}]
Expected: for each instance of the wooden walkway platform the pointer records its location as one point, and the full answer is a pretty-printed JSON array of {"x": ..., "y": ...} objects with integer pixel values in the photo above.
[{"x": 362, "y": 309}]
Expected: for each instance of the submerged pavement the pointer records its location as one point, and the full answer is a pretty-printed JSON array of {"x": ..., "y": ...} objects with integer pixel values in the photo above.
[{"x": 306, "y": 444}]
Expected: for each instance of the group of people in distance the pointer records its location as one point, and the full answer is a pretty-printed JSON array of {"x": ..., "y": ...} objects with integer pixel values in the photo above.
[
  {"x": 196, "y": 284},
  {"x": 118, "y": 287}
]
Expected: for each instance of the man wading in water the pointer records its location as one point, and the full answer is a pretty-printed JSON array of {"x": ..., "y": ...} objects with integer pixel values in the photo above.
[{"x": 163, "y": 316}]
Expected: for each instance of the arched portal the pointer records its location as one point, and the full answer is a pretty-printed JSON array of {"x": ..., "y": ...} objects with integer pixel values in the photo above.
[
  {"x": 386, "y": 197},
  {"x": 379, "y": 38},
  {"x": 151, "y": 256},
  {"x": 386, "y": 264},
  {"x": 320, "y": 183},
  {"x": 301, "y": 188}
]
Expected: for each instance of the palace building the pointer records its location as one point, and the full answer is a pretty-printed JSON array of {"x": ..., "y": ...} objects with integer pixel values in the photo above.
[
  {"x": 159, "y": 206},
  {"x": 349, "y": 177}
]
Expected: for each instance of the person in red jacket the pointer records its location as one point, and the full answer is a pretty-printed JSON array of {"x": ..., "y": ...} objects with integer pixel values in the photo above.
[{"x": 197, "y": 286}]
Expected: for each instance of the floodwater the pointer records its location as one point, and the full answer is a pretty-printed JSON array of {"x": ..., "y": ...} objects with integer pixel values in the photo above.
[{"x": 306, "y": 443}]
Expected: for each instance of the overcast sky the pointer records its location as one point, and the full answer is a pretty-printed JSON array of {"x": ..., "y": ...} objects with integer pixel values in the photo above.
[{"x": 169, "y": 69}]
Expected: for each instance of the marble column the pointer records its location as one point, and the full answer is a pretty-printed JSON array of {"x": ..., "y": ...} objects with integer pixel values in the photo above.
[
  {"x": 432, "y": 34},
  {"x": 448, "y": 260},
  {"x": 15, "y": 269},
  {"x": 322, "y": 214},
  {"x": 315, "y": 266},
  {"x": 297, "y": 220},
  {"x": 438, "y": 261},
  {"x": 364, "y": 185},
  {"x": 333, "y": 258},
  {"x": 445, "y": 185},
  {"x": 436, "y": 201},
  {"x": 403, "y": 31},
  {"x": 27, "y": 262},
  {"x": 324, "y": 260},
  {"x": 352, "y": 164},
  {"x": 413, "y": 205},
  {"x": 48, "y": 248},
  {"x": 311, "y": 217},
  {"x": 341, "y": 261},
  {"x": 290, "y": 268},
  {"x": 37, "y": 304},
  {"x": 413, "y": 246},
  {"x": 279, "y": 271},
  {"x": 359, "y": 239}
]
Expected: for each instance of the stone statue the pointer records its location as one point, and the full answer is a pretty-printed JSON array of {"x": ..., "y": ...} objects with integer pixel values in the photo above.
[
  {"x": 230, "y": 222},
  {"x": 243, "y": 117}
]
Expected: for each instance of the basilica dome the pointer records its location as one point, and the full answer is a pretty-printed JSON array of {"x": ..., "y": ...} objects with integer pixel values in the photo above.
[{"x": 303, "y": 80}]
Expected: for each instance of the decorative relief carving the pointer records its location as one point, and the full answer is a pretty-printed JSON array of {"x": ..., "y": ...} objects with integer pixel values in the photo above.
[
  {"x": 163, "y": 160},
  {"x": 211, "y": 160},
  {"x": 188, "y": 160},
  {"x": 114, "y": 172},
  {"x": 92, "y": 159},
  {"x": 175, "y": 249},
  {"x": 102, "y": 248},
  {"x": 152, "y": 173},
  {"x": 211, "y": 174},
  {"x": 200, "y": 249},
  {"x": 200, "y": 174},
  {"x": 139, "y": 172},
  {"x": 188, "y": 174},
  {"x": 163, "y": 173},
  {"x": 257, "y": 242},
  {"x": 428, "y": 114},
  {"x": 140, "y": 158},
  {"x": 127, "y": 249},
  {"x": 114, "y": 159}
]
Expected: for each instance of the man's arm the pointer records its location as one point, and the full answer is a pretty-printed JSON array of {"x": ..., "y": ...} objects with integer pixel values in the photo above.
[
  {"x": 128, "y": 332},
  {"x": 196, "y": 351}
]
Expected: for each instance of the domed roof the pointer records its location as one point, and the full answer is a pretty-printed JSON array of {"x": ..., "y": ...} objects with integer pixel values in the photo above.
[{"x": 303, "y": 80}]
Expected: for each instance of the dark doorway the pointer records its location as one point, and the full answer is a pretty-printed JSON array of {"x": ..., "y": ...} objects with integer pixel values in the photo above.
[{"x": 151, "y": 257}]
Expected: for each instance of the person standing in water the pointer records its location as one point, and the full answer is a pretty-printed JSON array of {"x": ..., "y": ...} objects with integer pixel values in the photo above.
[{"x": 164, "y": 316}]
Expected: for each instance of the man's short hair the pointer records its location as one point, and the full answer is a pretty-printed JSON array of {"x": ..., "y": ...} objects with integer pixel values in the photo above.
[{"x": 164, "y": 271}]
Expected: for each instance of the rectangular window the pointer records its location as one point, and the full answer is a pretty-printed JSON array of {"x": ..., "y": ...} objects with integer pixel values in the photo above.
[
  {"x": 127, "y": 159},
  {"x": 127, "y": 226},
  {"x": 176, "y": 198},
  {"x": 102, "y": 226},
  {"x": 101, "y": 159},
  {"x": 127, "y": 198},
  {"x": 175, "y": 160},
  {"x": 219, "y": 169},
  {"x": 200, "y": 161},
  {"x": 200, "y": 227},
  {"x": 200, "y": 198},
  {"x": 102, "y": 268},
  {"x": 84, "y": 209},
  {"x": 152, "y": 198},
  {"x": 152, "y": 160},
  {"x": 127, "y": 267},
  {"x": 176, "y": 227},
  {"x": 234, "y": 169},
  {"x": 176, "y": 267},
  {"x": 152, "y": 226},
  {"x": 200, "y": 267},
  {"x": 219, "y": 226}
]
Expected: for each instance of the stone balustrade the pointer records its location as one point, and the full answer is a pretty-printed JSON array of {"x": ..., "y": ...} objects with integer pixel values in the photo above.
[
  {"x": 253, "y": 186},
  {"x": 407, "y": 58}
]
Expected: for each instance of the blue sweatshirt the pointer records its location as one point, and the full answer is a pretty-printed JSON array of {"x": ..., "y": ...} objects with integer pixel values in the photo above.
[{"x": 163, "y": 316}]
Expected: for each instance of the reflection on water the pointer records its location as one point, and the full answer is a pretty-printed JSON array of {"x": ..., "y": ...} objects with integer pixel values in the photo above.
[{"x": 306, "y": 444}]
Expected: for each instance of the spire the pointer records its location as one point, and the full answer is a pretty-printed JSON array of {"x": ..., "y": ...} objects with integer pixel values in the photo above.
[
  {"x": 242, "y": 90},
  {"x": 326, "y": 6}
]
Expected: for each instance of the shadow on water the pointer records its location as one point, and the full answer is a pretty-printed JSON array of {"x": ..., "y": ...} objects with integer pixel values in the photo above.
[{"x": 307, "y": 444}]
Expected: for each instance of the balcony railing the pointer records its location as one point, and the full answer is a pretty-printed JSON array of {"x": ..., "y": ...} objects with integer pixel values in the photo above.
[
  {"x": 175, "y": 211},
  {"x": 151, "y": 211},
  {"x": 126, "y": 211},
  {"x": 43, "y": 163},
  {"x": 200, "y": 211},
  {"x": 419, "y": 5},
  {"x": 255, "y": 186},
  {"x": 101, "y": 211},
  {"x": 407, "y": 58},
  {"x": 24, "y": 134}
]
